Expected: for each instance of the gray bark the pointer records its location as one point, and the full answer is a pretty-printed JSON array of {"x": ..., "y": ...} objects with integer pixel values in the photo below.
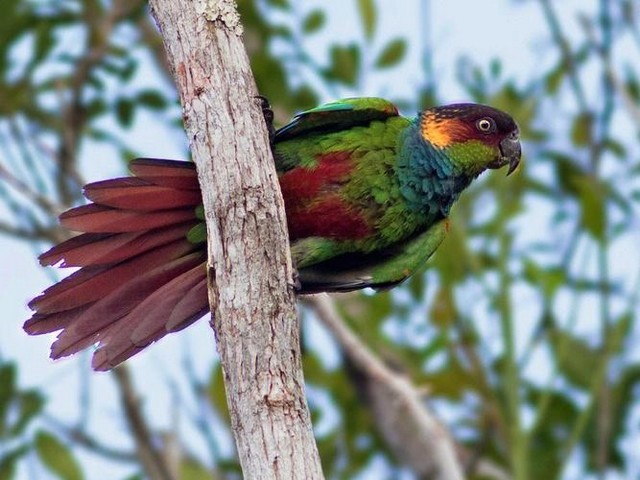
[{"x": 249, "y": 267}]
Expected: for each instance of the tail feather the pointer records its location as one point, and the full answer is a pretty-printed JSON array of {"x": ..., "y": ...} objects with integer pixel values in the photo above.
[
  {"x": 102, "y": 249},
  {"x": 101, "y": 361},
  {"x": 45, "y": 302},
  {"x": 140, "y": 276},
  {"x": 163, "y": 300},
  {"x": 40, "y": 323},
  {"x": 146, "y": 322},
  {"x": 101, "y": 281},
  {"x": 119, "y": 303},
  {"x": 139, "y": 195},
  {"x": 166, "y": 173},
  {"x": 94, "y": 218},
  {"x": 192, "y": 306}
]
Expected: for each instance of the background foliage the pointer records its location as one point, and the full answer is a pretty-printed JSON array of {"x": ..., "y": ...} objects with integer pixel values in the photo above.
[{"x": 522, "y": 330}]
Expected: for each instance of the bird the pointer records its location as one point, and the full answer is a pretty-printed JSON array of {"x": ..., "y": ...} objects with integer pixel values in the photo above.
[{"x": 367, "y": 194}]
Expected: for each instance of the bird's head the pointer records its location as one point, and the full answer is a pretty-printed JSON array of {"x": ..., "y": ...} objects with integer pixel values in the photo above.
[{"x": 474, "y": 137}]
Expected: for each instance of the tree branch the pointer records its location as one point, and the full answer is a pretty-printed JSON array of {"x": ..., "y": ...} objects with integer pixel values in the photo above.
[
  {"x": 410, "y": 429},
  {"x": 249, "y": 268}
]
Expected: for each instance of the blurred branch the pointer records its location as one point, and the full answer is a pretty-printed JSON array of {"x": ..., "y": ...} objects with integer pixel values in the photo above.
[
  {"x": 425, "y": 441},
  {"x": 80, "y": 437},
  {"x": 627, "y": 100},
  {"x": 28, "y": 234},
  {"x": 25, "y": 190},
  {"x": 153, "y": 462},
  {"x": 565, "y": 50},
  {"x": 101, "y": 26}
]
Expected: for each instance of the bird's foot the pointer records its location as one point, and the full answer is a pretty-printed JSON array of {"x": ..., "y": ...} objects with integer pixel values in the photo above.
[
  {"x": 296, "y": 285},
  {"x": 267, "y": 113}
]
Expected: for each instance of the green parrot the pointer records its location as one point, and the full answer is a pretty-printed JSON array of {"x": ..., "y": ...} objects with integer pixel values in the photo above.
[{"x": 367, "y": 194}]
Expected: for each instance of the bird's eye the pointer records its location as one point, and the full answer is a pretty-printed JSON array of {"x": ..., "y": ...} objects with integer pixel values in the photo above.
[{"x": 485, "y": 125}]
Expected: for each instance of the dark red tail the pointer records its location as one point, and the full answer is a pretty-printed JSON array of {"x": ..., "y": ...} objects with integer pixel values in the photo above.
[{"x": 140, "y": 277}]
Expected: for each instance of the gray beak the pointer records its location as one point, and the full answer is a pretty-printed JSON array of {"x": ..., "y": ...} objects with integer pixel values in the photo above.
[{"x": 511, "y": 151}]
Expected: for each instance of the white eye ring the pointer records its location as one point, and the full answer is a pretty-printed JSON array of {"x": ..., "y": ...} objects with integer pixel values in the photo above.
[{"x": 484, "y": 125}]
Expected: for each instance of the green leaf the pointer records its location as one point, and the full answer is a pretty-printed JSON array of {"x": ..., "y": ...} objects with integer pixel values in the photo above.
[
  {"x": 44, "y": 41},
  {"x": 495, "y": 69},
  {"x": 282, "y": 4},
  {"x": 190, "y": 469},
  {"x": 392, "y": 54},
  {"x": 57, "y": 457},
  {"x": 548, "y": 279},
  {"x": 615, "y": 147},
  {"x": 30, "y": 404},
  {"x": 444, "y": 311},
  {"x": 452, "y": 381},
  {"x": 304, "y": 98},
  {"x": 17, "y": 407},
  {"x": 96, "y": 108},
  {"x": 551, "y": 433},
  {"x": 581, "y": 130},
  {"x": 135, "y": 476},
  {"x": 7, "y": 391},
  {"x": 577, "y": 361},
  {"x": 270, "y": 76},
  {"x": 620, "y": 332},
  {"x": 593, "y": 206},
  {"x": 152, "y": 99},
  {"x": 633, "y": 88},
  {"x": 453, "y": 259},
  {"x": 9, "y": 460},
  {"x": 314, "y": 22},
  {"x": 554, "y": 78},
  {"x": 368, "y": 16},
  {"x": 125, "y": 109},
  {"x": 345, "y": 63}
]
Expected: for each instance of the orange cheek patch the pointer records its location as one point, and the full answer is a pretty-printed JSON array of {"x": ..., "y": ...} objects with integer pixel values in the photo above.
[{"x": 442, "y": 132}]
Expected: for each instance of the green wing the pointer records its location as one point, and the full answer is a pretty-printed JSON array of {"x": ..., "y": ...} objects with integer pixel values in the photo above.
[
  {"x": 335, "y": 116},
  {"x": 380, "y": 269}
]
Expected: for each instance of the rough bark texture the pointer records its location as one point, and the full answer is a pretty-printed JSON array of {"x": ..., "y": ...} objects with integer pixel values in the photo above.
[{"x": 249, "y": 265}]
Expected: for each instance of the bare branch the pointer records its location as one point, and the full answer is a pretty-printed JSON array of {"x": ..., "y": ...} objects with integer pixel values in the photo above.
[
  {"x": 25, "y": 233},
  {"x": 80, "y": 437},
  {"x": 31, "y": 195},
  {"x": 151, "y": 459},
  {"x": 430, "y": 450}
]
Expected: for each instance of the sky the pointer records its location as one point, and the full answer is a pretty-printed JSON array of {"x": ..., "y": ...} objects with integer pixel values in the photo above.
[{"x": 482, "y": 30}]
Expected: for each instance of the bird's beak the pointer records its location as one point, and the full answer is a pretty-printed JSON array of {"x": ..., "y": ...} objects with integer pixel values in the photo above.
[{"x": 510, "y": 151}]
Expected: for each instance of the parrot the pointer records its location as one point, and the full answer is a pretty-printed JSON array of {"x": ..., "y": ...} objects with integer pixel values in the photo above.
[{"x": 367, "y": 195}]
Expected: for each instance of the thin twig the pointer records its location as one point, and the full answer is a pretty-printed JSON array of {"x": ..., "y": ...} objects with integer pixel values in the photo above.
[
  {"x": 24, "y": 233},
  {"x": 43, "y": 202},
  {"x": 81, "y": 438},
  {"x": 565, "y": 50},
  {"x": 149, "y": 456}
]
